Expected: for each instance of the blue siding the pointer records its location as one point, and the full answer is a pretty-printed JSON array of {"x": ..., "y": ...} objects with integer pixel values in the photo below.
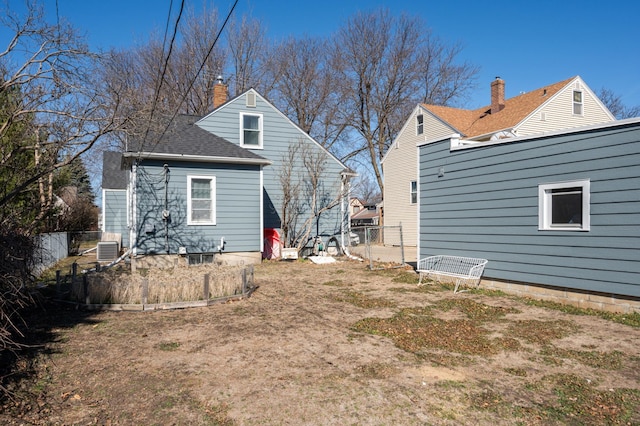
[
  {"x": 486, "y": 205},
  {"x": 278, "y": 134},
  {"x": 114, "y": 213},
  {"x": 237, "y": 208}
]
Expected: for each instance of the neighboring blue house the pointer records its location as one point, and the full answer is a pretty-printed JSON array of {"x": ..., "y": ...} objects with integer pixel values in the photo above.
[
  {"x": 559, "y": 211},
  {"x": 211, "y": 185},
  {"x": 115, "y": 200}
]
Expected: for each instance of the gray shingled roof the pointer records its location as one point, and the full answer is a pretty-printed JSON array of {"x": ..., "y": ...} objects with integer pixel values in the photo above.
[
  {"x": 113, "y": 175},
  {"x": 184, "y": 137}
]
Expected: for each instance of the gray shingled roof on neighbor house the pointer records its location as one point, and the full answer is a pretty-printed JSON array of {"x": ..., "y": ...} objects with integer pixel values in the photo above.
[
  {"x": 184, "y": 137},
  {"x": 113, "y": 175}
]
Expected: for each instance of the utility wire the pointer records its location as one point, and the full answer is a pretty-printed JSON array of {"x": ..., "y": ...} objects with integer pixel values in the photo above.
[
  {"x": 163, "y": 69},
  {"x": 202, "y": 65}
]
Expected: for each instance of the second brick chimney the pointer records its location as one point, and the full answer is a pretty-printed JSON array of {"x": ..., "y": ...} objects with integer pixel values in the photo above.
[
  {"x": 220, "y": 92},
  {"x": 497, "y": 95}
]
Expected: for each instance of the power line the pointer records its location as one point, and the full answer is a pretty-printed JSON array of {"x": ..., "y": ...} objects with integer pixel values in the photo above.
[
  {"x": 202, "y": 65},
  {"x": 164, "y": 67}
]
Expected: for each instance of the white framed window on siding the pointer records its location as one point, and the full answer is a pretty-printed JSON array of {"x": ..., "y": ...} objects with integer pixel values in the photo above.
[
  {"x": 564, "y": 206},
  {"x": 201, "y": 200},
  {"x": 577, "y": 102},
  {"x": 250, "y": 130},
  {"x": 414, "y": 192},
  {"x": 420, "y": 124}
]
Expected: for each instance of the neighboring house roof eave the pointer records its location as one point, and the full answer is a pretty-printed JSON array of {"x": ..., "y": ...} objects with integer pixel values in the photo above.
[
  {"x": 196, "y": 158},
  {"x": 439, "y": 139},
  {"x": 485, "y": 135},
  {"x": 543, "y": 135}
]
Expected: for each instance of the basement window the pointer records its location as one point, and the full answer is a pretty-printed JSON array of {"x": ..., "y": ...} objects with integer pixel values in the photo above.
[
  {"x": 564, "y": 206},
  {"x": 200, "y": 258}
]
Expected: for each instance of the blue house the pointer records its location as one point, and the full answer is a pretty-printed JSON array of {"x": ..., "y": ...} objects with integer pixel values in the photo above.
[
  {"x": 214, "y": 184},
  {"x": 556, "y": 214}
]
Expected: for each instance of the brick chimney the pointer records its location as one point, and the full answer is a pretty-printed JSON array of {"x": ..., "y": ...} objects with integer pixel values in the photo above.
[
  {"x": 220, "y": 92},
  {"x": 497, "y": 95}
]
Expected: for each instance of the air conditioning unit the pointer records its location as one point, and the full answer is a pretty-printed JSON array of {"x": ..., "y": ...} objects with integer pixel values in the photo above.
[{"x": 107, "y": 251}]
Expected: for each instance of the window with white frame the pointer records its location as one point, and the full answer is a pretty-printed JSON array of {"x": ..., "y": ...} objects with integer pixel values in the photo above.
[
  {"x": 414, "y": 192},
  {"x": 251, "y": 130},
  {"x": 201, "y": 200},
  {"x": 564, "y": 206},
  {"x": 577, "y": 102},
  {"x": 420, "y": 124}
]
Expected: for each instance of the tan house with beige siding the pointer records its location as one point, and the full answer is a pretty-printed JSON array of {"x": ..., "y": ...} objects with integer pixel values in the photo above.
[{"x": 566, "y": 104}]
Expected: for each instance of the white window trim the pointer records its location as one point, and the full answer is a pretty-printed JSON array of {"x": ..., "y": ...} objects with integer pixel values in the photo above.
[
  {"x": 411, "y": 192},
  {"x": 544, "y": 205},
  {"x": 212, "y": 219},
  {"x": 260, "y": 129},
  {"x": 574, "y": 103},
  {"x": 418, "y": 124}
]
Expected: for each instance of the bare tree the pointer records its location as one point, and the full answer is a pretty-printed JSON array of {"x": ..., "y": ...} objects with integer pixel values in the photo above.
[
  {"x": 50, "y": 74},
  {"x": 305, "y": 197},
  {"x": 616, "y": 106},
  {"x": 53, "y": 111},
  {"x": 151, "y": 81},
  {"x": 305, "y": 88},
  {"x": 246, "y": 40},
  {"x": 366, "y": 189},
  {"x": 386, "y": 65}
]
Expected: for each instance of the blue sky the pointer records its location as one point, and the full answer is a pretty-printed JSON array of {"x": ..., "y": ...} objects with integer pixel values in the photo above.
[{"x": 528, "y": 44}]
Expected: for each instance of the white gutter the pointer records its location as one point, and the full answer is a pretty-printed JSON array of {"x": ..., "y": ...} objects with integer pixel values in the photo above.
[{"x": 196, "y": 158}]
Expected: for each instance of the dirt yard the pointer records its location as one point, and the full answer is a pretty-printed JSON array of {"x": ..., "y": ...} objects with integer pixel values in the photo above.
[{"x": 333, "y": 344}]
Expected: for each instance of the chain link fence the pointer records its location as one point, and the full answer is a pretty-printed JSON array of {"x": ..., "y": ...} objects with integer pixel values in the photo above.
[{"x": 371, "y": 246}]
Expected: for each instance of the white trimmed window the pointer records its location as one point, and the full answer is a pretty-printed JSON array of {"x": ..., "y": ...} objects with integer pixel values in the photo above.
[
  {"x": 419, "y": 124},
  {"x": 201, "y": 200},
  {"x": 564, "y": 206},
  {"x": 577, "y": 102},
  {"x": 250, "y": 130},
  {"x": 414, "y": 192}
]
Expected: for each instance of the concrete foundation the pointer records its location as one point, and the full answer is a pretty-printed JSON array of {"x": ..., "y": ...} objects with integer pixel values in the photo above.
[
  {"x": 581, "y": 299},
  {"x": 172, "y": 260}
]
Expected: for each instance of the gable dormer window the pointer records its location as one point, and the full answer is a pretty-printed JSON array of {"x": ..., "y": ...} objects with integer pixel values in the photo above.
[
  {"x": 250, "y": 130},
  {"x": 577, "y": 102},
  {"x": 420, "y": 124}
]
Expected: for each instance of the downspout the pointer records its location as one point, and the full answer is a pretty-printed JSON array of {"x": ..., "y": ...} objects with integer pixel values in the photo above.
[
  {"x": 133, "y": 237},
  {"x": 165, "y": 213},
  {"x": 346, "y": 195},
  {"x": 342, "y": 191}
]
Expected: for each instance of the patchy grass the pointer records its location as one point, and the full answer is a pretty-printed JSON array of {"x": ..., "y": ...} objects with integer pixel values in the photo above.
[
  {"x": 541, "y": 332},
  {"x": 571, "y": 399},
  {"x": 632, "y": 319},
  {"x": 416, "y": 329},
  {"x": 168, "y": 346},
  {"x": 362, "y": 301},
  {"x": 336, "y": 283},
  {"x": 406, "y": 278},
  {"x": 613, "y": 360},
  {"x": 376, "y": 370},
  {"x": 473, "y": 310},
  {"x": 519, "y": 372},
  {"x": 218, "y": 415}
]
